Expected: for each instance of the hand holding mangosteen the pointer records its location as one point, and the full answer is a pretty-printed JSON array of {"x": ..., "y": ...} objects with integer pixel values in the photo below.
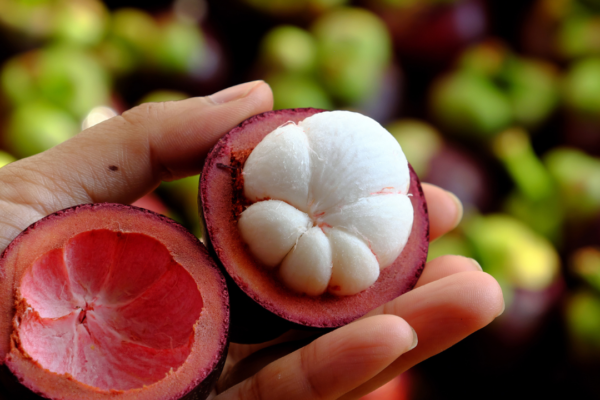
[{"x": 63, "y": 313}]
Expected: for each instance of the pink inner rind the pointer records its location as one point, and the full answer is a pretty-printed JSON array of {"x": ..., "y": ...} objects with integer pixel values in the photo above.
[
  {"x": 113, "y": 310},
  {"x": 327, "y": 311}
]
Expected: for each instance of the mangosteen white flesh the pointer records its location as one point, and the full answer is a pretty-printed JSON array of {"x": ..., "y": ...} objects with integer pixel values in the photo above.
[{"x": 330, "y": 203}]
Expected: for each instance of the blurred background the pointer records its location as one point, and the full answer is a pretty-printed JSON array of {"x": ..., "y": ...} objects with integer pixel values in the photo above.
[{"x": 495, "y": 100}]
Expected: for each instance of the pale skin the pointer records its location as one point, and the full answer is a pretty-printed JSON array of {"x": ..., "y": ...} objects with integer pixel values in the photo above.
[{"x": 167, "y": 141}]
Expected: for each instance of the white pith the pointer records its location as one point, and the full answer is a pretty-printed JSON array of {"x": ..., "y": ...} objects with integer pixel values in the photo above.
[{"x": 330, "y": 202}]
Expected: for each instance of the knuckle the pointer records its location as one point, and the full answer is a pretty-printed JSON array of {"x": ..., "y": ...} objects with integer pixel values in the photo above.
[
  {"x": 145, "y": 113},
  {"x": 306, "y": 353},
  {"x": 251, "y": 389}
]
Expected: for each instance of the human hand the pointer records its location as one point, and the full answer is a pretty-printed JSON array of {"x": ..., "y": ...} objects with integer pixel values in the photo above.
[{"x": 167, "y": 141}]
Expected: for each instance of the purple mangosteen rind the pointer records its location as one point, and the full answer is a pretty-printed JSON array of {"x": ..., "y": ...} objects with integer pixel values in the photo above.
[
  {"x": 32, "y": 385},
  {"x": 221, "y": 203},
  {"x": 250, "y": 322}
]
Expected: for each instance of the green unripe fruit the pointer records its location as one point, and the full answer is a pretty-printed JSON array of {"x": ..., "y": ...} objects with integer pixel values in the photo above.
[
  {"x": 419, "y": 141},
  {"x": 5, "y": 158},
  {"x": 73, "y": 80},
  {"x": 82, "y": 22},
  {"x": 532, "y": 89},
  {"x": 159, "y": 96},
  {"x": 16, "y": 80},
  {"x": 585, "y": 262},
  {"x": 68, "y": 77},
  {"x": 137, "y": 30},
  {"x": 582, "y": 87},
  {"x": 452, "y": 243},
  {"x": 468, "y": 103},
  {"x": 293, "y": 91},
  {"x": 293, "y": 7},
  {"x": 288, "y": 48},
  {"x": 180, "y": 48},
  {"x": 512, "y": 252},
  {"x": 583, "y": 322},
  {"x": 38, "y": 126},
  {"x": 578, "y": 178},
  {"x": 354, "y": 51}
]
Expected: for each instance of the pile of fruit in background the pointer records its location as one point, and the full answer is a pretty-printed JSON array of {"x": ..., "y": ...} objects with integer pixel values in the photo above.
[{"x": 496, "y": 100}]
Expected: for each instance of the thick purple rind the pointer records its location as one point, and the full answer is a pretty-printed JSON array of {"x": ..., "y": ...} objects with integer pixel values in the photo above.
[
  {"x": 10, "y": 386},
  {"x": 250, "y": 322},
  {"x": 202, "y": 391},
  {"x": 13, "y": 387},
  {"x": 224, "y": 245}
]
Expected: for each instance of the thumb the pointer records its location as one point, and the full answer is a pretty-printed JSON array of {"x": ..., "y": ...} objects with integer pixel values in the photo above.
[{"x": 124, "y": 157}]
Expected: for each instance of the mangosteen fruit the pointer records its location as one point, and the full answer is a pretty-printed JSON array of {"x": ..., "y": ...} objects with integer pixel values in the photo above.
[
  {"x": 107, "y": 301},
  {"x": 430, "y": 34},
  {"x": 356, "y": 66},
  {"x": 582, "y": 105},
  {"x": 315, "y": 216},
  {"x": 36, "y": 126},
  {"x": 527, "y": 267}
]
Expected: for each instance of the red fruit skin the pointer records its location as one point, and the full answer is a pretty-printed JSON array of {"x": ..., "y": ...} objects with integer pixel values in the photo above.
[
  {"x": 30, "y": 381},
  {"x": 249, "y": 285}
]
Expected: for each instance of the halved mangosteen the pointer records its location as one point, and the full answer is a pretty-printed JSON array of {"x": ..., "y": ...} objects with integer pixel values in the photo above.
[
  {"x": 107, "y": 301},
  {"x": 316, "y": 217}
]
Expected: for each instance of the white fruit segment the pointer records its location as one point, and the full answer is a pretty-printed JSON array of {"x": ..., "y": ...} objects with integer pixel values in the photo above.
[
  {"x": 279, "y": 168},
  {"x": 307, "y": 267},
  {"x": 356, "y": 267},
  {"x": 339, "y": 210},
  {"x": 271, "y": 228},
  {"x": 379, "y": 221}
]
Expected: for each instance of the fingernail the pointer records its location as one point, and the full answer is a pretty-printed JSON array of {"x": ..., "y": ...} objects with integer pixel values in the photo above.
[
  {"x": 459, "y": 207},
  {"x": 415, "y": 340},
  {"x": 502, "y": 311},
  {"x": 234, "y": 93},
  {"x": 474, "y": 261}
]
